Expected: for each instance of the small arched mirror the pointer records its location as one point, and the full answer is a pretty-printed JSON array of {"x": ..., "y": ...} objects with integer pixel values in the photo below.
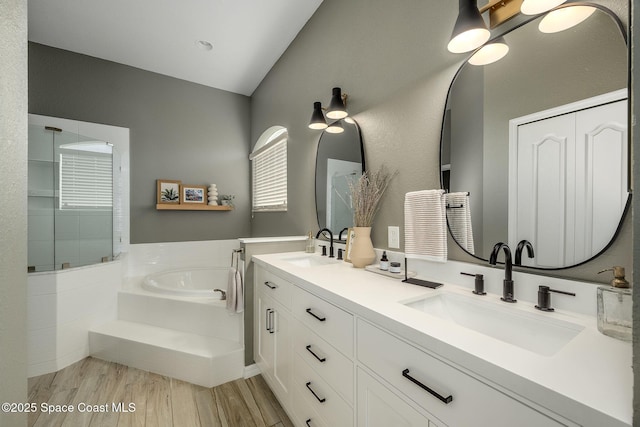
[
  {"x": 539, "y": 142},
  {"x": 340, "y": 158}
]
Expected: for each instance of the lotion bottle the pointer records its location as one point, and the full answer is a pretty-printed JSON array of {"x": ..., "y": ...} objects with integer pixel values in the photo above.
[{"x": 384, "y": 261}]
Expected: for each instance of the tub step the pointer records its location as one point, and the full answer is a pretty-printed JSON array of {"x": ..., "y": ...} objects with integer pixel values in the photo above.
[{"x": 198, "y": 359}]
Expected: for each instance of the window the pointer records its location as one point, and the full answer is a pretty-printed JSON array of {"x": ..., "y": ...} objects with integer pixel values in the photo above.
[
  {"x": 86, "y": 180},
  {"x": 269, "y": 171}
]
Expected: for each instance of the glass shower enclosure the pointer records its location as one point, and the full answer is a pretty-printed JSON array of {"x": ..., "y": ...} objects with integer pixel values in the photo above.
[{"x": 70, "y": 199}]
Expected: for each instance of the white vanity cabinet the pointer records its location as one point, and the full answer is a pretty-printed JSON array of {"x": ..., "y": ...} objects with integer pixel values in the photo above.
[
  {"x": 378, "y": 406},
  {"x": 441, "y": 389},
  {"x": 273, "y": 334},
  {"x": 330, "y": 367}
]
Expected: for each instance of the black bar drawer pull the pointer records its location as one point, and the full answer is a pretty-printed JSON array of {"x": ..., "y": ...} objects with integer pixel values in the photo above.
[
  {"x": 314, "y": 393},
  {"x": 320, "y": 359},
  {"x": 270, "y": 285},
  {"x": 446, "y": 400},
  {"x": 322, "y": 319},
  {"x": 308, "y": 422},
  {"x": 266, "y": 319}
]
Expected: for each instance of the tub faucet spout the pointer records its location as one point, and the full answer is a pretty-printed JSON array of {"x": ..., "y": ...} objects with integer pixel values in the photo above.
[{"x": 224, "y": 294}]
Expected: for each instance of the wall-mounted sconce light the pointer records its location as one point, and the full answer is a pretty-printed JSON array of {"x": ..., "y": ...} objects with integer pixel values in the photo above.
[
  {"x": 500, "y": 11},
  {"x": 535, "y": 7},
  {"x": 317, "y": 117},
  {"x": 564, "y": 18},
  {"x": 337, "y": 110},
  {"x": 335, "y": 127},
  {"x": 337, "y": 107},
  {"x": 493, "y": 51},
  {"x": 469, "y": 31}
]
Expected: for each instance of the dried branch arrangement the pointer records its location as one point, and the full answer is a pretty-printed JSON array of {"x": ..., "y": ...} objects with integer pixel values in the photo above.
[{"x": 366, "y": 193}]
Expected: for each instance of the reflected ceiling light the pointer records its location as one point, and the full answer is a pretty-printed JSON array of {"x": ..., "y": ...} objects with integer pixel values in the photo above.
[
  {"x": 335, "y": 127},
  {"x": 337, "y": 109},
  {"x": 317, "y": 117},
  {"x": 535, "y": 7},
  {"x": 469, "y": 31},
  {"x": 491, "y": 52},
  {"x": 564, "y": 18}
]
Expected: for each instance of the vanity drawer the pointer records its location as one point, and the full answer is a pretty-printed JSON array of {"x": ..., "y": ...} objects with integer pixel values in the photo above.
[
  {"x": 305, "y": 413},
  {"x": 272, "y": 285},
  {"x": 462, "y": 400},
  {"x": 328, "y": 321},
  {"x": 332, "y": 366},
  {"x": 332, "y": 409}
]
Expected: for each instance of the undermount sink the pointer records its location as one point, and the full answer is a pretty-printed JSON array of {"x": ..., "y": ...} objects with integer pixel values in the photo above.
[
  {"x": 309, "y": 260},
  {"x": 535, "y": 332}
]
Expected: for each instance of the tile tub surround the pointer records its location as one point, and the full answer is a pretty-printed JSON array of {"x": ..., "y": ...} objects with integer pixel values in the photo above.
[
  {"x": 147, "y": 258},
  {"x": 193, "y": 339},
  {"x": 62, "y": 306},
  {"x": 588, "y": 381}
]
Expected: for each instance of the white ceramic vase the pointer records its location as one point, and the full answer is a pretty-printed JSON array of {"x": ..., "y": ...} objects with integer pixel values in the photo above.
[{"x": 362, "y": 253}]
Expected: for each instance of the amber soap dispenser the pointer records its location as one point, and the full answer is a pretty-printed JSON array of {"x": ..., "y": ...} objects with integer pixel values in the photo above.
[{"x": 614, "y": 306}]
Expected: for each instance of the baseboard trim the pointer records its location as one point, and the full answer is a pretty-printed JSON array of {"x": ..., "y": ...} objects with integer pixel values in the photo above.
[{"x": 251, "y": 371}]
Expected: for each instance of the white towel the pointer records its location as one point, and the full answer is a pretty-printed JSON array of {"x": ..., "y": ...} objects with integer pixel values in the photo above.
[
  {"x": 459, "y": 217},
  {"x": 235, "y": 291},
  {"x": 425, "y": 225}
]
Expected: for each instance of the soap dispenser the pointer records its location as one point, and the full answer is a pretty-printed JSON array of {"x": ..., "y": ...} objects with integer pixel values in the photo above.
[{"x": 614, "y": 306}]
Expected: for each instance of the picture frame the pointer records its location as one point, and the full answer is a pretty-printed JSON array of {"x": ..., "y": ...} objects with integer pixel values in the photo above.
[
  {"x": 168, "y": 191},
  {"x": 347, "y": 249},
  {"x": 193, "y": 194}
]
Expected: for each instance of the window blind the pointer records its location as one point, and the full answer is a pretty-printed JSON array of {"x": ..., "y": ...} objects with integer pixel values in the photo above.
[
  {"x": 86, "y": 181},
  {"x": 270, "y": 178}
]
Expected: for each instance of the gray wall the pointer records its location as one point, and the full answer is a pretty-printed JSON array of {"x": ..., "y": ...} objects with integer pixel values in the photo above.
[
  {"x": 393, "y": 63},
  {"x": 179, "y": 130},
  {"x": 13, "y": 209}
]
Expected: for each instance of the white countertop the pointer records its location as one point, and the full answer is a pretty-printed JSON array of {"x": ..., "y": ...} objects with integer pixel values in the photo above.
[{"x": 588, "y": 381}]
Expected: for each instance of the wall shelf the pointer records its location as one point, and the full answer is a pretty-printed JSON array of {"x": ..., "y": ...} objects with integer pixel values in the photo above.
[{"x": 191, "y": 207}]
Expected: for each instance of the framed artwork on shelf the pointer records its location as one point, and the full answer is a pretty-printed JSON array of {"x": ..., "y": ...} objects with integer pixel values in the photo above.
[
  {"x": 168, "y": 191},
  {"x": 194, "y": 194}
]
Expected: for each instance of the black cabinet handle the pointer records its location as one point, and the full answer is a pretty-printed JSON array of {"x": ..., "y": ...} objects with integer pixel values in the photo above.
[
  {"x": 314, "y": 393},
  {"x": 322, "y": 319},
  {"x": 307, "y": 422},
  {"x": 446, "y": 400},
  {"x": 270, "y": 285},
  {"x": 266, "y": 319},
  {"x": 321, "y": 360}
]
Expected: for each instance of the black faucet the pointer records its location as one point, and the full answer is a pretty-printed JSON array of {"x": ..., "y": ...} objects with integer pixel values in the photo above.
[
  {"x": 331, "y": 241},
  {"x": 507, "y": 283},
  {"x": 342, "y": 231},
  {"x": 521, "y": 245}
]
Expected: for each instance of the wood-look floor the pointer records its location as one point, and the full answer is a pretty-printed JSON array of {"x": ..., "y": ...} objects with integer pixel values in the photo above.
[{"x": 159, "y": 401}]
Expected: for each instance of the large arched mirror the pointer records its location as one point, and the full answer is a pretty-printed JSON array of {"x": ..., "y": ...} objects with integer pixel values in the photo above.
[
  {"x": 340, "y": 158},
  {"x": 538, "y": 141}
]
